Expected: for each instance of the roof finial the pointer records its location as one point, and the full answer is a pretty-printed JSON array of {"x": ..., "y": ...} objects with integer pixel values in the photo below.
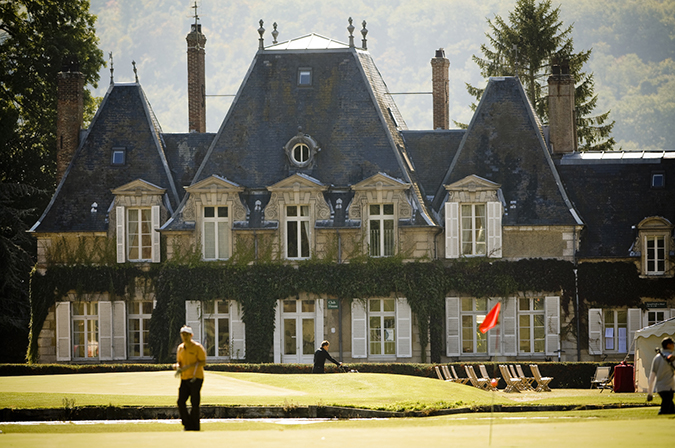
[
  {"x": 275, "y": 33},
  {"x": 111, "y": 68},
  {"x": 364, "y": 31},
  {"x": 350, "y": 28},
  {"x": 196, "y": 16},
  {"x": 135, "y": 71},
  {"x": 261, "y": 31}
]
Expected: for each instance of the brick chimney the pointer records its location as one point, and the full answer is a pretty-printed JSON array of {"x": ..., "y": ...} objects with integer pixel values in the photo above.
[
  {"x": 562, "y": 123},
  {"x": 196, "y": 79},
  {"x": 69, "y": 112},
  {"x": 440, "y": 92}
]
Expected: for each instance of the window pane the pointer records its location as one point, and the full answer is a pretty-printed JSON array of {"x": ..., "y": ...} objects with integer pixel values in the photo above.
[
  {"x": 289, "y": 306},
  {"x": 467, "y": 304},
  {"x": 291, "y": 210},
  {"x": 374, "y": 209},
  {"x": 222, "y": 212},
  {"x": 374, "y": 238},
  {"x": 223, "y": 246},
  {"x": 388, "y": 209},
  {"x": 289, "y": 336},
  {"x": 388, "y": 237},
  {"x": 304, "y": 239},
  {"x": 538, "y": 304},
  {"x": 147, "y": 307},
  {"x": 308, "y": 306},
  {"x": 374, "y": 305},
  {"x": 208, "y": 307},
  {"x": 481, "y": 304},
  {"x": 209, "y": 240},
  {"x": 375, "y": 335},
  {"x": 223, "y": 337},
  {"x": 467, "y": 334},
  {"x": 524, "y": 304},
  {"x": 210, "y": 337},
  {"x": 389, "y": 336},
  {"x": 209, "y": 212},
  {"x": 307, "y": 336},
  {"x": 304, "y": 210},
  {"x": 292, "y": 238},
  {"x": 389, "y": 305}
]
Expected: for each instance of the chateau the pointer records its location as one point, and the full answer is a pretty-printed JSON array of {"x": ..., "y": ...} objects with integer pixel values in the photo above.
[{"x": 313, "y": 165}]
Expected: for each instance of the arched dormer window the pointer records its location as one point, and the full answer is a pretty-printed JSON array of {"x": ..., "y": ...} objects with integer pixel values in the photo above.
[
  {"x": 654, "y": 244},
  {"x": 301, "y": 150}
]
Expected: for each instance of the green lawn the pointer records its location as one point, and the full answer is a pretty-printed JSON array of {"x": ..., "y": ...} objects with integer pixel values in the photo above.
[
  {"x": 597, "y": 429},
  {"x": 368, "y": 390}
]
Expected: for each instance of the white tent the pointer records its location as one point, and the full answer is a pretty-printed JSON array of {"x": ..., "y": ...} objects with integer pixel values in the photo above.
[{"x": 646, "y": 340}]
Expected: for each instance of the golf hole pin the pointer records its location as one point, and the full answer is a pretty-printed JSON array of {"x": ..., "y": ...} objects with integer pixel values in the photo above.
[{"x": 494, "y": 382}]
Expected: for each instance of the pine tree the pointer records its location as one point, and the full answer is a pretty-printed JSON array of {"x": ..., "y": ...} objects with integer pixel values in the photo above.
[{"x": 525, "y": 46}]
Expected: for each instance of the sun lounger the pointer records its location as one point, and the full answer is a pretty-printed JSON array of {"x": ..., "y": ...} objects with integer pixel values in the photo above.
[
  {"x": 439, "y": 374},
  {"x": 480, "y": 383},
  {"x": 513, "y": 384},
  {"x": 542, "y": 381},
  {"x": 484, "y": 374},
  {"x": 601, "y": 378}
]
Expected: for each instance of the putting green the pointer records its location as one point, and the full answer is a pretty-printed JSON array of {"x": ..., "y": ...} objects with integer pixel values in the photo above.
[{"x": 137, "y": 383}]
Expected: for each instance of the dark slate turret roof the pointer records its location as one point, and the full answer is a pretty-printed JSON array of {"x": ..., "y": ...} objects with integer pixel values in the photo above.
[
  {"x": 504, "y": 143},
  {"x": 124, "y": 120},
  {"x": 612, "y": 192},
  {"x": 185, "y": 153}
]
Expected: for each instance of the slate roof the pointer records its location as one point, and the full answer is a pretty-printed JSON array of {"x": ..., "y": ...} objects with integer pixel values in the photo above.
[
  {"x": 185, "y": 152},
  {"x": 613, "y": 194},
  {"x": 504, "y": 143},
  {"x": 431, "y": 153},
  {"x": 124, "y": 120}
]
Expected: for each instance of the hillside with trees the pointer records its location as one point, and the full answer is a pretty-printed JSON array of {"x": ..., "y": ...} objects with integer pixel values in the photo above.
[{"x": 631, "y": 60}]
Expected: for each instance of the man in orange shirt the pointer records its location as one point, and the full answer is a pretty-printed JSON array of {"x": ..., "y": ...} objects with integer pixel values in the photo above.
[{"x": 190, "y": 362}]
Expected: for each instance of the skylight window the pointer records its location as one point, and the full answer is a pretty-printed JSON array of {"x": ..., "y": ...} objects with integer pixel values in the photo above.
[
  {"x": 658, "y": 180},
  {"x": 119, "y": 156},
  {"x": 305, "y": 77}
]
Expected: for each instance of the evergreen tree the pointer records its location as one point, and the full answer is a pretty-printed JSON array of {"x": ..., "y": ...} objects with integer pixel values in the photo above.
[{"x": 524, "y": 46}]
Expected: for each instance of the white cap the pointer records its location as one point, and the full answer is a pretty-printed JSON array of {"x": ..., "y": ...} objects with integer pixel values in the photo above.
[{"x": 186, "y": 329}]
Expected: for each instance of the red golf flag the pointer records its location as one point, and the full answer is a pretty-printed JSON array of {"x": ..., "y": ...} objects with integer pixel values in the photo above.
[{"x": 491, "y": 319}]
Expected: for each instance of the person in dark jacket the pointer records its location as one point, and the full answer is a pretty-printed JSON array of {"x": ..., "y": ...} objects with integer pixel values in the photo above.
[{"x": 320, "y": 357}]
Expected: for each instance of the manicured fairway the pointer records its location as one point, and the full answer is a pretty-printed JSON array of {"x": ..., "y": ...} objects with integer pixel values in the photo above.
[{"x": 597, "y": 429}]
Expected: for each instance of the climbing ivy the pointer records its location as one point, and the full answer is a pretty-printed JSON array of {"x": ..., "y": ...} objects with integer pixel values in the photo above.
[{"x": 258, "y": 287}]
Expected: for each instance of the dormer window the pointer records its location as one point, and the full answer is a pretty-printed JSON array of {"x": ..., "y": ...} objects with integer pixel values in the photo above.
[
  {"x": 305, "y": 77},
  {"x": 658, "y": 180},
  {"x": 653, "y": 245},
  {"x": 300, "y": 153},
  {"x": 118, "y": 157},
  {"x": 301, "y": 150}
]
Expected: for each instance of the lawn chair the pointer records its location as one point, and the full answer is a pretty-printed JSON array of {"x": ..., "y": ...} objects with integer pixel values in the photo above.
[
  {"x": 601, "y": 379},
  {"x": 514, "y": 374},
  {"x": 529, "y": 381},
  {"x": 513, "y": 383},
  {"x": 456, "y": 377},
  {"x": 480, "y": 383},
  {"x": 439, "y": 374},
  {"x": 484, "y": 374},
  {"x": 542, "y": 381}
]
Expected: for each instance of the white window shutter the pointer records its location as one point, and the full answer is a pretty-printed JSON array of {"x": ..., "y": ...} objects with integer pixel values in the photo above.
[
  {"x": 63, "y": 348},
  {"x": 634, "y": 324},
  {"x": 552, "y": 324},
  {"x": 494, "y": 336},
  {"x": 452, "y": 341},
  {"x": 193, "y": 319},
  {"x": 494, "y": 218},
  {"x": 119, "y": 330},
  {"x": 105, "y": 325},
  {"x": 277, "y": 332},
  {"x": 359, "y": 330},
  {"x": 318, "y": 323},
  {"x": 404, "y": 329},
  {"x": 595, "y": 331},
  {"x": 237, "y": 331},
  {"x": 120, "y": 224},
  {"x": 156, "y": 251},
  {"x": 509, "y": 325},
  {"x": 451, "y": 230}
]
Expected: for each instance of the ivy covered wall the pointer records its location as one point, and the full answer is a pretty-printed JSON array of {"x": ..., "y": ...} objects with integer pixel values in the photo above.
[{"x": 257, "y": 288}]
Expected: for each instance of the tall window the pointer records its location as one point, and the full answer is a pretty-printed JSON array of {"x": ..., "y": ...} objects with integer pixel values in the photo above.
[
  {"x": 656, "y": 254},
  {"x": 473, "y": 229},
  {"x": 298, "y": 318},
  {"x": 215, "y": 233},
  {"x": 473, "y": 314},
  {"x": 216, "y": 328},
  {"x": 85, "y": 330},
  {"x": 531, "y": 330},
  {"x": 382, "y": 326},
  {"x": 381, "y": 224},
  {"x": 297, "y": 231},
  {"x": 616, "y": 330},
  {"x": 139, "y": 314},
  {"x": 139, "y": 231}
]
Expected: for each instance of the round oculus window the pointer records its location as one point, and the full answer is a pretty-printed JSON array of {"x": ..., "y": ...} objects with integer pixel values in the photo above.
[{"x": 300, "y": 153}]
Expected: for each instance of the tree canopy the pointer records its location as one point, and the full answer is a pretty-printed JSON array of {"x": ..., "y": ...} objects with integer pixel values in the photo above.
[
  {"x": 524, "y": 46},
  {"x": 35, "y": 37}
]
